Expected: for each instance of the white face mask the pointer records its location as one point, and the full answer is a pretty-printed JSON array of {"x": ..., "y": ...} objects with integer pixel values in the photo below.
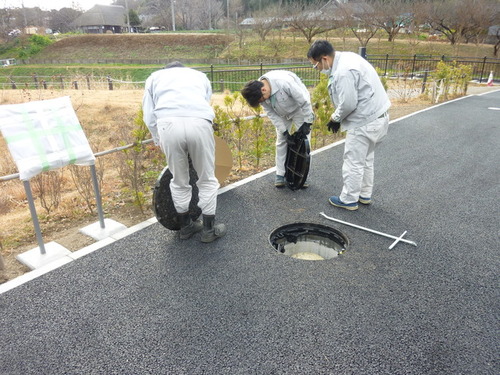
[{"x": 326, "y": 71}]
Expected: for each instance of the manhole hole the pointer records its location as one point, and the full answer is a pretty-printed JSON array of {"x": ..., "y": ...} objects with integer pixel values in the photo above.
[{"x": 308, "y": 241}]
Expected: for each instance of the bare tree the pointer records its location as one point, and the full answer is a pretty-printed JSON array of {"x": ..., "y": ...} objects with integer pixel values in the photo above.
[
  {"x": 442, "y": 17},
  {"x": 157, "y": 13},
  {"x": 267, "y": 21},
  {"x": 358, "y": 17},
  {"x": 476, "y": 16},
  {"x": 496, "y": 46},
  {"x": 60, "y": 20},
  {"x": 391, "y": 16},
  {"x": 310, "y": 19},
  {"x": 208, "y": 14}
]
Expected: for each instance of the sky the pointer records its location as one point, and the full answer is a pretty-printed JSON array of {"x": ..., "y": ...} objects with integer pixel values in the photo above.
[{"x": 53, "y": 4}]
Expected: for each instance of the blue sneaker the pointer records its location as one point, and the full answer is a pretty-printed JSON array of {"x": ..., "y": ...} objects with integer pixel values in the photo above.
[
  {"x": 364, "y": 200},
  {"x": 335, "y": 201},
  {"x": 280, "y": 181}
]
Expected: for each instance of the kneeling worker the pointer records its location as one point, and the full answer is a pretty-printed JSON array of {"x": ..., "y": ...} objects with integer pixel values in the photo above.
[
  {"x": 177, "y": 111},
  {"x": 286, "y": 101}
]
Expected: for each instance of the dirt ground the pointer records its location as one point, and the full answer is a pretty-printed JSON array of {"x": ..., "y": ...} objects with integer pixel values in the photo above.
[{"x": 111, "y": 108}]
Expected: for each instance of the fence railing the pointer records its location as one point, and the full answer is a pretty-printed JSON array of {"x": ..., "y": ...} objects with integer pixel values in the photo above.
[
  {"x": 233, "y": 78},
  {"x": 416, "y": 65}
]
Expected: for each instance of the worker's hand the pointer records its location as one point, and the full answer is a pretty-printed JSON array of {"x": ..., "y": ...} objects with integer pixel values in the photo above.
[
  {"x": 290, "y": 141},
  {"x": 333, "y": 126},
  {"x": 305, "y": 128}
]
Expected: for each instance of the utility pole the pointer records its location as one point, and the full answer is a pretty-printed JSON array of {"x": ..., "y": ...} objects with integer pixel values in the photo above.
[
  {"x": 128, "y": 15},
  {"x": 173, "y": 14},
  {"x": 24, "y": 15},
  {"x": 210, "y": 14}
]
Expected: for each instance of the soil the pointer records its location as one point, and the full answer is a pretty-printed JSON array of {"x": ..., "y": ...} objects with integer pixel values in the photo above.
[{"x": 111, "y": 108}]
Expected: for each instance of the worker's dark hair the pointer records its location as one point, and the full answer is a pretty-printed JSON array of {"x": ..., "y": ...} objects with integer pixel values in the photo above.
[
  {"x": 319, "y": 49},
  {"x": 252, "y": 93},
  {"x": 174, "y": 64}
]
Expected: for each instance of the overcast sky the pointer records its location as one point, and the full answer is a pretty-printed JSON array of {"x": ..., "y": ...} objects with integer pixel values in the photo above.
[{"x": 53, "y": 4}]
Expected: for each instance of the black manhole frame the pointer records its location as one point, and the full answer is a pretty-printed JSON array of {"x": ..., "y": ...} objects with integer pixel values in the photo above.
[{"x": 309, "y": 228}]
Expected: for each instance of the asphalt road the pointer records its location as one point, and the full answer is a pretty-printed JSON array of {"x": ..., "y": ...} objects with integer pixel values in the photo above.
[{"x": 152, "y": 304}]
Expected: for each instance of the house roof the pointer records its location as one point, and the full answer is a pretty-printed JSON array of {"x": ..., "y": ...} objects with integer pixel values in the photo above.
[{"x": 113, "y": 15}]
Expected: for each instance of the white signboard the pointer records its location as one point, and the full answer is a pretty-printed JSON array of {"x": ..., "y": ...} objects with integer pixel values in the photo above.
[{"x": 44, "y": 135}]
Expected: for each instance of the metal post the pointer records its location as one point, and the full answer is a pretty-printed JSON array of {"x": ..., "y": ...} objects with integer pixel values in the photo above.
[
  {"x": 413, "y": 66},
  {"x": 398, "y": 239},
  {"x": 173, "y": 14},
  {"x": 424, "y": 81},
  {"x": 97, "y": 195},
  {"x": 482, "y": 70},
  {"x": 34, "y": 217},
  {"x": 362, "y": 52}
]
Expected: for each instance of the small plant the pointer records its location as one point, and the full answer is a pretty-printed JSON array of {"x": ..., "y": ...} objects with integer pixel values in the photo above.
[
  {"x": 323, "y": 109},
  {"x": 48, "y": 186},
  {"x": 450, "y": 77},
  {"x": 131, "y": 161},
  {"x": 259, "y": 136}
]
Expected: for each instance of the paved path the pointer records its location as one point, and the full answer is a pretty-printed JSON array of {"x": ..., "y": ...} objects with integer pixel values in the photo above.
[{"x": 152, "y": 304}]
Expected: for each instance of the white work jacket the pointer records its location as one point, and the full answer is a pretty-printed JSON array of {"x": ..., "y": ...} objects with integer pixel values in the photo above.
[
  {"x": 356, "y": 91},
  {"x": 289, "y": 99},
  {"x": 176, "y": 92}
]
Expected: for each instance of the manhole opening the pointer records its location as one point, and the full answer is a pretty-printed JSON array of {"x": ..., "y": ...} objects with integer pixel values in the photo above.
[{"x": 308, "y": 241}]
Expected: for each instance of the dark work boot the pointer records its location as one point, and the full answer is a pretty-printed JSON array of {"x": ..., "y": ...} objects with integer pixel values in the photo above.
[
  {"x": 188, "y": 227},
  {"x": 211, "y": 231}
]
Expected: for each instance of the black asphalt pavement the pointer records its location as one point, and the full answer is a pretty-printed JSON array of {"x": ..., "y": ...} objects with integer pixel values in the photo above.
[{"x": 153, "y": 304}]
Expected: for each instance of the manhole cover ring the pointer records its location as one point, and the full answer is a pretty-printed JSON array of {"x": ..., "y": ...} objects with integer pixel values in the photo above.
[{"x": 308, "y": 241}]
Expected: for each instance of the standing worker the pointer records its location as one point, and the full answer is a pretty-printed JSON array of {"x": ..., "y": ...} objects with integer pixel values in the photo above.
[
  {"x": 177, "y": 111},
  {"x": 286, "y": 101},
  {"x": 361, "y": 106}
]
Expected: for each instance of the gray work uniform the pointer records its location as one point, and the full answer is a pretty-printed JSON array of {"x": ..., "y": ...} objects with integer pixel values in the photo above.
[
  {"x": 361, "y": 106},
  {"x": 177, "y": 111},
  {"x": 289, "y": 103}
]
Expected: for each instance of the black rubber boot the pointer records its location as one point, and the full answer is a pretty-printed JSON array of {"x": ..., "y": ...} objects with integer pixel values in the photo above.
[
  {"x": 211, "y": 231},
  {"x": 188, "y": 227}
]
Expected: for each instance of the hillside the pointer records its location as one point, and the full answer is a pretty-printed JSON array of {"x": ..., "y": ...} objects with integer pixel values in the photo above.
[
  {"x": 203, "y": 46},
  {"x": 136, "y": 46}
]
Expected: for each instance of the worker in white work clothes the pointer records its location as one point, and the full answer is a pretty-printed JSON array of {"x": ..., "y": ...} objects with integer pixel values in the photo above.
[
  {"x": 286, "y": 101},
  {"x": 177, "y": 111},
  {"x": 361, "y": 105}
]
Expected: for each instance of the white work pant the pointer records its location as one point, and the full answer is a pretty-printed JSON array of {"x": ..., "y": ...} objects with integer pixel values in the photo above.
[
  {"x": 359, "y": 155},
  {"x": 282, "y": 147},
  {"x": 180, "y": 136}
]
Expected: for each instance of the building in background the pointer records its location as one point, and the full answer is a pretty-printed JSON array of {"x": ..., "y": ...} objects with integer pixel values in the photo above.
[{"x": 102, "y": 19}]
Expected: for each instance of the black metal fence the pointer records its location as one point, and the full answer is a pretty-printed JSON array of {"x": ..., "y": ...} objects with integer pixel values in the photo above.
[
  {"x": 416, "y": 65},
  {"x": 233, "y": 78}
]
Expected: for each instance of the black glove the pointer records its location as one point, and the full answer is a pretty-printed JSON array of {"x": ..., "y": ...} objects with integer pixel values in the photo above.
[
  {"x": 333, "y": 126},
  {"x": 305, "y": 128},
  {"x": 290, "y": 141}
]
